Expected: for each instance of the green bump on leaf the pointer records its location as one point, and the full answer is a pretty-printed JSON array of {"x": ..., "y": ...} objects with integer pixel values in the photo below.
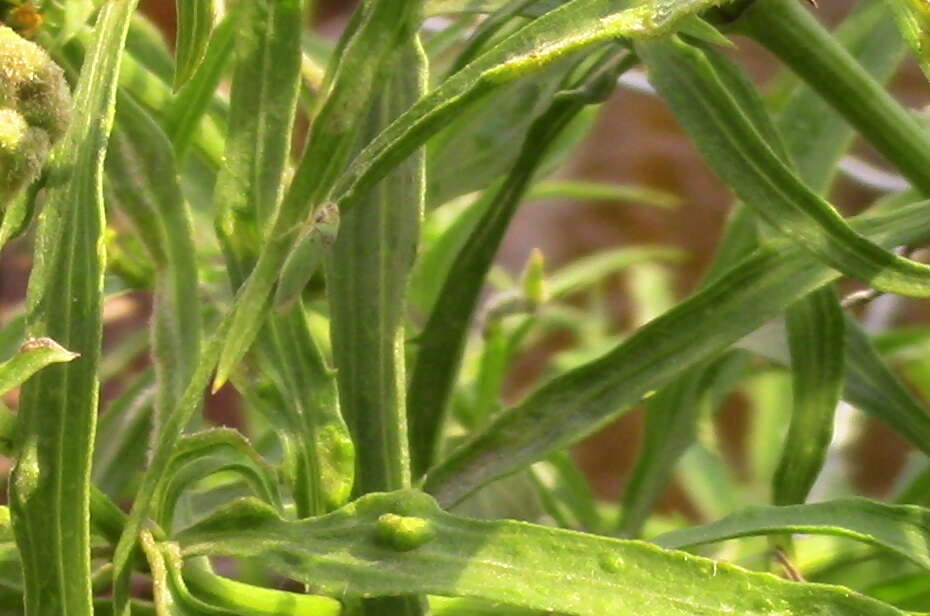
[{"x": 404, "y": 533}]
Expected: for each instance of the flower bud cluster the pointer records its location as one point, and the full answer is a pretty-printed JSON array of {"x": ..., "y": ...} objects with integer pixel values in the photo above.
[{"x": 35, "y": 106}]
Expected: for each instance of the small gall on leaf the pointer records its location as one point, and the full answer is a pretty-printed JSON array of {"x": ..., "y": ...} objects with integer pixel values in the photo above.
[{"x": 404, "y": 533}]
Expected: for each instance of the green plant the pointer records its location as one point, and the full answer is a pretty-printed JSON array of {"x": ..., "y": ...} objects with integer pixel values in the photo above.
[{"x": 338, "y": 290}]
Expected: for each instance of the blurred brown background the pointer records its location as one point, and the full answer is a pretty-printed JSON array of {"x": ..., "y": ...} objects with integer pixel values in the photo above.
[{"x": 635, "y": 141}]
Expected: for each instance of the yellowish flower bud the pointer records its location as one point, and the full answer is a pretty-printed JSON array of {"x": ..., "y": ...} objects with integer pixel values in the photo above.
[{"x": 35, "y": 106}]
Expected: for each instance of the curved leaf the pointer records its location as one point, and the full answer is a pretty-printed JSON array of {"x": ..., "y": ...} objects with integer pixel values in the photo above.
[{"x": 816, "y": 329}]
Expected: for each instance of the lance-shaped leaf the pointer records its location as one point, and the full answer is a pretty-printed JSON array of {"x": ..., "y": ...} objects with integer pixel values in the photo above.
[
  {"x": 49, "y": 488},
  {"x": 901, "y": 528},
  {"x": 671, "y": 423},
  {"x": 816, "y": 329},
  {"x": 194, "y": 100},
  {"x": 123, "y": 433},
  {"x": 366, "y": 273},
  {"x": 402, "y": 540},
  {"x": 142, "y": 183},
  {"x": 449, "y": 7},
  {"x": 580, "y": 401},
  {"x": 195, "y": 25}
]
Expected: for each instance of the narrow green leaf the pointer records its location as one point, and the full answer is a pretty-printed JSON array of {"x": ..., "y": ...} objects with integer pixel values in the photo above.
[
  {"x": 815, "y": 134},
  {"x": 602, "y": 191},
  {"x": 575, "y": 404},
  {"x": 33, "y": 355},
  {"x": 671, "y": 423},
  {"x": 49, "y": 488},
  {"x": 874, "y": 388},
  {"x": 565, "y": 493},
  {"x": 913, "y": 18},
  {"x": 726, "y": 137},
  {"x": 366, "y": 272},
  {"x": 142, "y": 183},
  {"x": 443, "y": 338},
  {"x": 816, "y": 329},
  {"x": 401, "y": 540},
  {"x": 900, "y": 528},
  {"x": 449, "y": 7},
  {"x": 482, "y": 143},
  {"x": 195, "y": 25}
]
